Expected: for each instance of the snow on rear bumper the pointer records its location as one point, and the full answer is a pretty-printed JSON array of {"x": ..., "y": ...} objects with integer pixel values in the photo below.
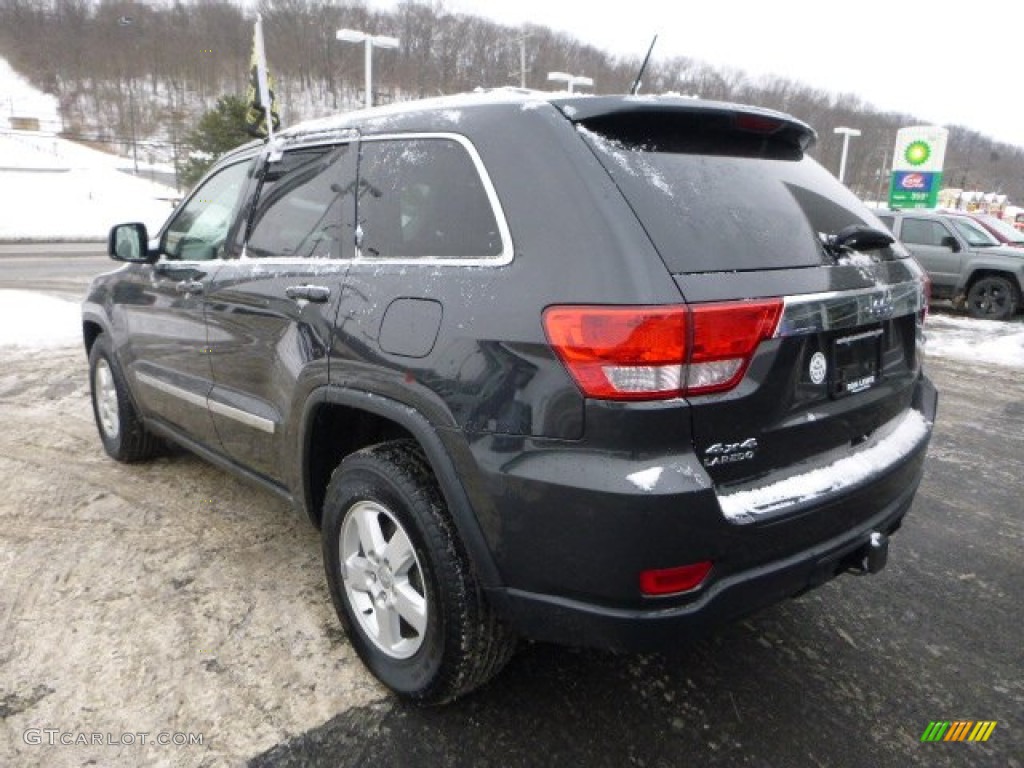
[{"x": 890, "y": 444}]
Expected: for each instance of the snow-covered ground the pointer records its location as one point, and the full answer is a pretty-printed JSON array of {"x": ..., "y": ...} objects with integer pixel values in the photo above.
[
  {"x": 975, "y": 341},
  {"x": 32, "y": 320},
  {"x": 53, "y": 189}
]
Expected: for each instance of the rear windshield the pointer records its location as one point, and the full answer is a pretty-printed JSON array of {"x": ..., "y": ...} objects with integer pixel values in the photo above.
[{"x": 730, "y": 203}]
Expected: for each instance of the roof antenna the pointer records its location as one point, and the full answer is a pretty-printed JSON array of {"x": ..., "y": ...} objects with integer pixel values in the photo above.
[{"x": 636, "y": 83}]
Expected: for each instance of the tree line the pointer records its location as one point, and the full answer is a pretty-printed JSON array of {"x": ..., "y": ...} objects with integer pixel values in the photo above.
[{"x": 161, "y": 65}]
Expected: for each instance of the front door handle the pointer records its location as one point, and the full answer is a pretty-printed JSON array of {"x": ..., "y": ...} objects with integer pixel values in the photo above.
[
  {"x": 189, "y": 286},
  {"x": 316, "y": 293}
]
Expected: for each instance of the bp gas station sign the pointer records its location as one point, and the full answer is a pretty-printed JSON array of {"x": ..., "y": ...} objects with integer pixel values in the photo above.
[{"x": 917, "y": 167}]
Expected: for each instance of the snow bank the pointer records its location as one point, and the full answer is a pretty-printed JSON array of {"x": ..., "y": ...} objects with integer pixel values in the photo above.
[
  {"x": 29, "y": 319},
  {"x": 975, "y": 341}
]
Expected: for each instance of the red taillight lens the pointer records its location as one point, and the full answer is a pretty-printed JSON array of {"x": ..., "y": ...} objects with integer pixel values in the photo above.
[
  {"x": 725, "y": 336},
  {"x": 621, "y": 353},
  {"x": 669, "y": 581},
  {"x": 648, "y": 353}
]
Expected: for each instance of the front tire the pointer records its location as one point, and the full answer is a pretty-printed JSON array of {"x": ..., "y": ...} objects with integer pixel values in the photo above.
[
  {"x": 992, "y": 298},
  {"x": 124, "y": 435},
  {"x": 400, "y": 579}
]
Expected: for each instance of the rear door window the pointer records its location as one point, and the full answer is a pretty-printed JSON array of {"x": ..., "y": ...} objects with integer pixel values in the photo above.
[
  {"x": 424, "y": 198},
  {"x": 923, "y": 232},
  {"x": 301, "y": 206},
  {"x": 726, "y": 202}
]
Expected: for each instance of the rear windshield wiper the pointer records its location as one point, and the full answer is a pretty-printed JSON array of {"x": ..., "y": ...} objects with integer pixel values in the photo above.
[{"x": 856, "y": 237}]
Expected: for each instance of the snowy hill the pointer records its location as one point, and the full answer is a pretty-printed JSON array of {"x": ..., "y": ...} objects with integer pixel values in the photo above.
[{"x": 54, "y": 189}]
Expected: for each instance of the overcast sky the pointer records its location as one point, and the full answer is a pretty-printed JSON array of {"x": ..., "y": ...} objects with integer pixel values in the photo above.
[{"x": 922, "y": 58}]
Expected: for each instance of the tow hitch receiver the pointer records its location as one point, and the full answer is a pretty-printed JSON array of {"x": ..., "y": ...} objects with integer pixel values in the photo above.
[{"x": 871, "y": 557}]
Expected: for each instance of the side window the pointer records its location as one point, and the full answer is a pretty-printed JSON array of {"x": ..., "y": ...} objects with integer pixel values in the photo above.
[
  {"x": 301, "y": 207},
  {"x": 922, "y": 232},
  {"x": 421, "y": 199},
  {"x": 199, "y": 230},
  {"x": 888, "y": 221}
]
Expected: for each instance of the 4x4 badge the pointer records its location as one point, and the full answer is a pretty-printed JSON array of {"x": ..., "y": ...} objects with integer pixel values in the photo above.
[
  {"x": 730, "y": 453},
  {"x": 818, "y": 367}
]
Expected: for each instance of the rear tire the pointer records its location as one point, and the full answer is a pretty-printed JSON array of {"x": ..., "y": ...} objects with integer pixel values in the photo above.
[
  {"x": 400, "y": 579},
  {"x": 993, "y": 298},
  {"x": 123, "y": 433}
]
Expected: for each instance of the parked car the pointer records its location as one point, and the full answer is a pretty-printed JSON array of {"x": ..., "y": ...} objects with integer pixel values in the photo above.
[
  {"x": 602, "y": 371},
  {"x": 1001, "y": 230},
  {"x": 965, "y": 262}
]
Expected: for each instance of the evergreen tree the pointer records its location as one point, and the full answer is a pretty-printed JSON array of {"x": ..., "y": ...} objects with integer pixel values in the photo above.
[{"x": 219, "y": 129}]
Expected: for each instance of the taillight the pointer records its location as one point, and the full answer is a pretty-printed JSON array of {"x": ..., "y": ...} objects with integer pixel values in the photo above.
[
  {"x": 725, "y": 336},
  {"x": 649, "y": 353},
  {"x": 621, "y": 353}
]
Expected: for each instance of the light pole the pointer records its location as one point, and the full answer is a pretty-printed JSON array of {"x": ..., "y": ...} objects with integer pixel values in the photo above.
[
  {"x": 847, "y": 133},
  {"x": 522, "y": 58},
  {"x": 125, "y": 22},
  {"x": 569, "y": 80},
  {"x": 371, "y": 42}
]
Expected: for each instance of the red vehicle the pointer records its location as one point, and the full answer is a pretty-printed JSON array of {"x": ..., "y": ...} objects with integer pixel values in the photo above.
[{"x": 1001, "y": 230}]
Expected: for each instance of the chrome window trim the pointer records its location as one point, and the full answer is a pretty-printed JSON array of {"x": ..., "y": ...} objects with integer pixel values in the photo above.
[
  {"x": 243, "y": 417},
  {"x": 839, "y": 310},
  {"x": 502, "y": 259}
]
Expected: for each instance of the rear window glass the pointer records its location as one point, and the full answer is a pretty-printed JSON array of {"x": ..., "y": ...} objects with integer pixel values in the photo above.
[
  {"x": 423, "y": 198},
  {"x": 729, "y": 205}
]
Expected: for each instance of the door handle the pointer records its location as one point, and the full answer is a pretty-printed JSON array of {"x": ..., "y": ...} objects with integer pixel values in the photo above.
[
  {"x": 316, "y": 293},
  {"x": 189, "y": 286}
]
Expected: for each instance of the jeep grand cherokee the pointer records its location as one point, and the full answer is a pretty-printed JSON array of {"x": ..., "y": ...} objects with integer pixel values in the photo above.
[{"x": 603, "y": 371}]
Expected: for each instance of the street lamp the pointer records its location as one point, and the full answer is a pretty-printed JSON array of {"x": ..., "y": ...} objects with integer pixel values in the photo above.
[
  {"x": 371, "y": 42},
  {"x": 847, "y": 133},
  {"x": 570, "y": 80},
  {"x": 125, "y": 22}
]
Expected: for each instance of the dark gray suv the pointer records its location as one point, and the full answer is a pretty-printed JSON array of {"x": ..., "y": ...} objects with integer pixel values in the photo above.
[
  {"x": 602, "y": 371},
  {"x": 966, "y": 263}
]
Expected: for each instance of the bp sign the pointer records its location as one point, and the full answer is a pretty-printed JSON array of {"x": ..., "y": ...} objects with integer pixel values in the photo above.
[{"x": 917, "y": 167}]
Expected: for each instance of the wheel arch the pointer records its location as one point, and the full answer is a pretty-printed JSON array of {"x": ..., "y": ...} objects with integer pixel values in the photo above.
[
  {"x": 368, "y": 419},
  {"x": 91, "y": 330},
  {"x": 982, "y": 271}
]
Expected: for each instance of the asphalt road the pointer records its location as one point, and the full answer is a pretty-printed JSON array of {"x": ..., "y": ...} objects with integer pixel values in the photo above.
[
  {"x": 62, "y": 269},
  {"x": 848, "y": 675}
]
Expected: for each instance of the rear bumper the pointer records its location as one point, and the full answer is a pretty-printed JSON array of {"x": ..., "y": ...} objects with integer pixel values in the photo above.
[{"x": 757, "y": 563}]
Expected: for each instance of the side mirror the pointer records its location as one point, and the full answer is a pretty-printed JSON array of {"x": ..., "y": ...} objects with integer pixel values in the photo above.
[
  {"x": 130, "y": 243},
  {"x": 950, "y": 242}
]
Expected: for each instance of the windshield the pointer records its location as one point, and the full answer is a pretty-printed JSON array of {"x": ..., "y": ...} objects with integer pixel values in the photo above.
[
  {"x": 1010, "y": 233},
  {"x": 973, "y": 233}
]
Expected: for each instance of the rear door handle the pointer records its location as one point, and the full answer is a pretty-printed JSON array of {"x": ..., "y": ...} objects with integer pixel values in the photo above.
[
  {"x": 189, "y": 286},
  {"x": 317, "y": 293}
]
